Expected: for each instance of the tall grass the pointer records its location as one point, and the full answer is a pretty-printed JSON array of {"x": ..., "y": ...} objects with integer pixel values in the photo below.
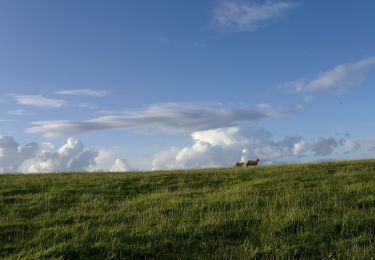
[{"x": 324, "y": 210}]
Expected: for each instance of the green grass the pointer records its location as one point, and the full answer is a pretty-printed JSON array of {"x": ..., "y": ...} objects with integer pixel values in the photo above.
[{"x": 324, "y": 210}]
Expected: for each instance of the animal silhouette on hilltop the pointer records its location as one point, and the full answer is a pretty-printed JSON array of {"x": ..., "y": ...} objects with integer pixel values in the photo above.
[
  {"x": 252, "y": 163},
  {"x": 248, "y": 163},
  {"x": 238, "y": 164}
]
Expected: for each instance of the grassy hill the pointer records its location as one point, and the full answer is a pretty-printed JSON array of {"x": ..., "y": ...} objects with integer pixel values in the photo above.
[{"x": 324, "y": 210}]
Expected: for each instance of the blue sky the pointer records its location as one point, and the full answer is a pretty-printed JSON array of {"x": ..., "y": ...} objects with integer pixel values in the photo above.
[{"x": 182, "y": 84}]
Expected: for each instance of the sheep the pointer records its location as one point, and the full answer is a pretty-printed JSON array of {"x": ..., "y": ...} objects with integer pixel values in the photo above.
[
  {"x": 238, "y": 164},
  {"x": 252, "y": 163}
]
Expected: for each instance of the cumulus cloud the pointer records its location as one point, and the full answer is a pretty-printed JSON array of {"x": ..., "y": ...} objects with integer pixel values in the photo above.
[
  {"x": 324, "y": 146},
  {"x": 248, "y": 16},
  {"x": 351, "y": 144},
  {"x": 171, "y": 117},
  {"x": 40, "y": 101},
  {"x": 83, "y": 92},
  {"x": 165, "y": 160},
  {"x": 120, "y": 165},
  {"x": 221, "y": 147},
  {"x": 72, "y": 156},
  {"x": 339, "y": 79},
  {"x": 211, "y": 148},
  {"x": 299, "y": 148},
  {"x": 13, "y": 155}
]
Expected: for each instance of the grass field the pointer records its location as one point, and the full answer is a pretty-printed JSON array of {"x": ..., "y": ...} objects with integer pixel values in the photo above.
[{"x": 324, "y": 210}]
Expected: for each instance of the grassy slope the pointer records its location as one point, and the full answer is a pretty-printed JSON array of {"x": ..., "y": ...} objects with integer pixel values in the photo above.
[{"x": 313, "y": 210}]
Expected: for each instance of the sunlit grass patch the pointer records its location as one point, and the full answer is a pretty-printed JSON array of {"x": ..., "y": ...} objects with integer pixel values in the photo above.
[{"x": 324, "y": 210}]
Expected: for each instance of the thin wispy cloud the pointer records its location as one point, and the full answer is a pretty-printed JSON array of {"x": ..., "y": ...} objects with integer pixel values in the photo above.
[
  {"x": 108, "y": 112},
  {"x": 86, "y": 105},
  {"x": 307, "y": 99},
  {"x": 271, "y": 111},
  {"x": 173, "y": 118},
  {"x": 339, "y": 79},
  {"x": 249, "y": 16},
  {"x": 84, "y": 92},
  {"x": 40, "y": 101},
  {"x": 19, "y": 112}
]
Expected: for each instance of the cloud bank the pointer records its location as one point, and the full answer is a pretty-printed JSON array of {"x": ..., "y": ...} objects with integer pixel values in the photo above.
[
  {"x": 221, "y": 147},
  {"x": 211, "y": 148},
  {"x": 72, "y": 156},
  {"x": 248, "y": 16},
  {"x": 13, "y": 155}
]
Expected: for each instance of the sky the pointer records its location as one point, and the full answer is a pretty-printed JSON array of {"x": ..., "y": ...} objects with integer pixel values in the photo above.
[{"x": 124, "y": 85}]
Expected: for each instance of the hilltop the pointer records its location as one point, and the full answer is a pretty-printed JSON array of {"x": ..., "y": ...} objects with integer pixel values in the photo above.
[{"x": 322, "y": 210}]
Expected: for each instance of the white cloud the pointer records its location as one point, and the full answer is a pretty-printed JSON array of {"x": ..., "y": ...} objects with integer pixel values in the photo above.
[
  {"x": 13, "y": 155},
  {"x": 84, "y": 92},
  {"x": 339, "y": 79},
  {"x": 104, "y": 160},
  {"x": 248, "y": 16},
  {"x": 220, "y": 137},
  {"x": 108, "y": 112},
  {"x": 86, "y": 105},
  {"x": 172, "y": 117},
  {"x": 165, "y": 160},
  {"x": 109, "y": 160},
  {"x": 221, "y": 147},
  {"x": 40, "y": 101},
  {"x": 19, "y": 112},
  {"x": 72, "y": 156},
  {"x": 299, "y": 148},
  {"x": 210, "y": 148},
  {"x": 120, "y": 165}
]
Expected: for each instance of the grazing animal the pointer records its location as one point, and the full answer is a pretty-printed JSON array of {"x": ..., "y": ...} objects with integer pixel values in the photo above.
[
  {"x": 238, "y": 164},
  {"x": 252, "y": 163}
]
